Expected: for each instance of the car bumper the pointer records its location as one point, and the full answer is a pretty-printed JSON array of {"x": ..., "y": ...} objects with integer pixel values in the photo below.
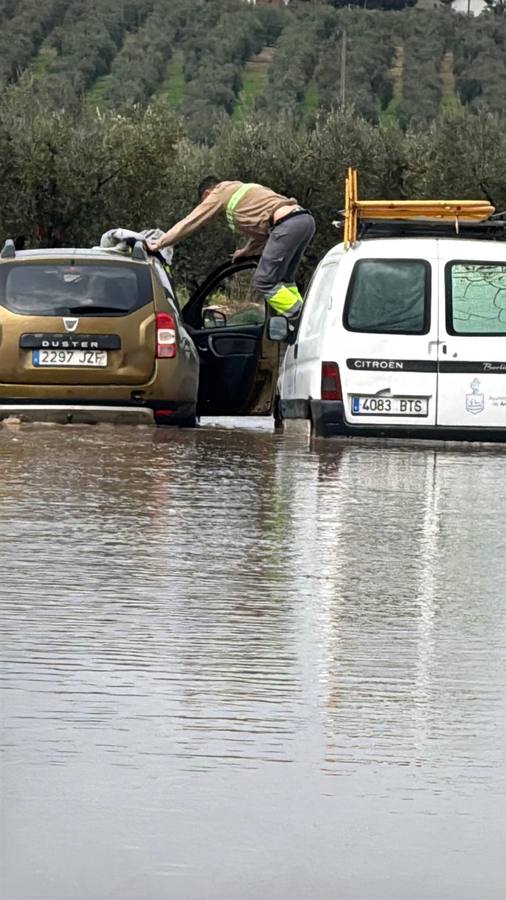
[
  {"x": 97, "y": 413},
  {"x": 77, "y": 415}
]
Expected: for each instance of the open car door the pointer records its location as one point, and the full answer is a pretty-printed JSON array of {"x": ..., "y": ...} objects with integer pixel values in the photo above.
[{"x": 226, "y": 318}]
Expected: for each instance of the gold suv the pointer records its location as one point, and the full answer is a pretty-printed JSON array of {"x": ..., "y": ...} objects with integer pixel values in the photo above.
[{"x": 92, "y": 335}]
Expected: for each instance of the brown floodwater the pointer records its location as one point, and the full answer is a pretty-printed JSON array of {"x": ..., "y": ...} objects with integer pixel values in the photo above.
[{"x": 235, "y": 666}]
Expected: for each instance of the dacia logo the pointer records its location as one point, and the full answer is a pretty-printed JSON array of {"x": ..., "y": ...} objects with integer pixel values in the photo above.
[{"x": 70, "y": 324}]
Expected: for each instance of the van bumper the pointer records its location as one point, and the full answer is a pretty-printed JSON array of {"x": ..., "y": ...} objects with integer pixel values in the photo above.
[
  {"x": 61, "y": 413},
  {"x": 327, "y": 418}
]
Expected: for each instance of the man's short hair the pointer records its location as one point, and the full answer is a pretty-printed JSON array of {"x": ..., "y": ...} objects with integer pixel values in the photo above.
[{"x": 209, "y": 182}]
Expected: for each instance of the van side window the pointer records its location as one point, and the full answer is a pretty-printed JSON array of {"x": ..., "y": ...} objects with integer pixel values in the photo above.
[
  {"x": 389, "y": 296},
  {"x": 476, "y": 298},
  {"x": 321, "y": 284},
  {"x": 318, "y": 298}
]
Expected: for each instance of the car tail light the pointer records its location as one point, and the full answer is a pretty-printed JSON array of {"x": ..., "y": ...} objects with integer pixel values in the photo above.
[
  {"x": 331, "y": 382},
  {"x": 166, "y": 342}
]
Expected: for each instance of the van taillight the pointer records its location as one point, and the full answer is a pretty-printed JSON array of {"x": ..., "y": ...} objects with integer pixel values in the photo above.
[
  {"x": 166, "y": 344},
  {"x": 331, "y": 382}
]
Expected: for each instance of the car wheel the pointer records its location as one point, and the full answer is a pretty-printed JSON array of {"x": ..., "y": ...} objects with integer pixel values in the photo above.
[
  {"x": 190, "y": 422},
  {"x": 278, "y": 418}
]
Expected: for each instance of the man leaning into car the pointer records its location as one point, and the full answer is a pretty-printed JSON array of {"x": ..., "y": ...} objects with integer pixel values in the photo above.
[{"x": 276, "y": 226}]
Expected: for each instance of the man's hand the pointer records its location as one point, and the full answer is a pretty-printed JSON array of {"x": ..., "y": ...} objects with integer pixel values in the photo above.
[
  {"x": 154, "y": 246},
  {"x": 238, "y": 254}
]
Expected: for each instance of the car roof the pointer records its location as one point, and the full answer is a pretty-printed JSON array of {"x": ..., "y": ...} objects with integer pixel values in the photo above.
[{"x": 76, "y": 253}]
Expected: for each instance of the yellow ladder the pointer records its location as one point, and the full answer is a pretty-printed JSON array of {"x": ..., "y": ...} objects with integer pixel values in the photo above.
[{"x": 431, "y": 210}]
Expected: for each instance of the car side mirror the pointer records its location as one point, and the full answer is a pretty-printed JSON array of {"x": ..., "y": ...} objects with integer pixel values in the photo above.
[
  {"x": 213, "y": 318},
  {"x": 277, "y": 328}
]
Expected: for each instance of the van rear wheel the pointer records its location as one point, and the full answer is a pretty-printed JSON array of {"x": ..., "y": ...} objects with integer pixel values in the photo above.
[{"x": 278, "y": 418}]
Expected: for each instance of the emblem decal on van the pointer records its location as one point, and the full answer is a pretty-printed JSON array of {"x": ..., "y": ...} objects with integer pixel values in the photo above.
[
  {"x": 70, "y": 324},
  {"x": 475, "y": 402}
]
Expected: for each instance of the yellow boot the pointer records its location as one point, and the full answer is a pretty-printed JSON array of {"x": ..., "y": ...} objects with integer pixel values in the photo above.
[
  {"x": 286, "y": 300},
  {"x": 295, "y": 291}
]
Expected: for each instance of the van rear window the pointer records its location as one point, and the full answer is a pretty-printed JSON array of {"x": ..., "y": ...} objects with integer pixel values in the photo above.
[
  {"x": 476, "y": 298},
  {"x": 83, "y": 289},
  {"x": 389, "y": 296}
]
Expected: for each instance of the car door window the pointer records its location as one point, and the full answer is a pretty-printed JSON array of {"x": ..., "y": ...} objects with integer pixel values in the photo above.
[{"x": 233, "y": 302}]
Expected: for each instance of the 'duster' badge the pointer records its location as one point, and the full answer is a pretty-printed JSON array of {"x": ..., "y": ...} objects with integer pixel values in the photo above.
[{"x": 475, "y": 402}]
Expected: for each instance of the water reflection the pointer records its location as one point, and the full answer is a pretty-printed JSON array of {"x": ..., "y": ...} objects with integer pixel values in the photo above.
[{"x": 225, "y": 652}]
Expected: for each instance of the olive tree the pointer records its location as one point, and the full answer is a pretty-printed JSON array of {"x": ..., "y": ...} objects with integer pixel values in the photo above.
[{"x": 67, "y": 176}]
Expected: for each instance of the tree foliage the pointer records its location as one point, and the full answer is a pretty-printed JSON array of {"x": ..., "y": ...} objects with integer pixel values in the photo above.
[
  {"x": 70, "y": 175},
  {"x": 139, "y": 66},
  {"x": 24, "y": 27},
  {"x": 402, "y": 64}
]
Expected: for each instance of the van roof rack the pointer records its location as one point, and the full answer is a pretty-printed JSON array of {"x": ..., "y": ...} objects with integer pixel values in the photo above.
[
  {"x": 491, "y": 230},
  {"x": 403, "y": 218}
]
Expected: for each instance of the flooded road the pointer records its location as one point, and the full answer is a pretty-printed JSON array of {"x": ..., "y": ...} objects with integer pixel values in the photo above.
[{"x": 235, "y": 667}]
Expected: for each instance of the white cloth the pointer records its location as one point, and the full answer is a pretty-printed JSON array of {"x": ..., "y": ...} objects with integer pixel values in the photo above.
[{"x": 121, "y": 239}]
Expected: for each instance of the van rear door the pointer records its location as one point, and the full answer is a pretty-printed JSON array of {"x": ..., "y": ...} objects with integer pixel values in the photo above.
[
  {"x": 472, "y": 348},
  {"x": 388, "y": 353}
]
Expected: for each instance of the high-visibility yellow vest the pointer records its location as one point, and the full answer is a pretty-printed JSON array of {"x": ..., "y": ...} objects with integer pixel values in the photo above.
[{"x": 234, "y": 200}]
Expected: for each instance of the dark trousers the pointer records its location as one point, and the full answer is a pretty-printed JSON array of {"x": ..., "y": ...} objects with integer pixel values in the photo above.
[{"x": 283, "y": 251}]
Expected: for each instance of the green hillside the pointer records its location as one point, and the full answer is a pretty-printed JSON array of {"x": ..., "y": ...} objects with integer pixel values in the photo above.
[
  {"x": 113, "y": 110},
  {"x": 227, "y": 58}
]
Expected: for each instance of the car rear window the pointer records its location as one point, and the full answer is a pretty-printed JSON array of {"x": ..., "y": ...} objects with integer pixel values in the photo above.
[
  {"x": 476, "y": 298},
  {"x": 58, "y": 288},
  {"x": 389, "y": 296}
]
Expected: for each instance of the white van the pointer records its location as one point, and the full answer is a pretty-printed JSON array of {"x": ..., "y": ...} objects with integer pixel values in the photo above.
[{"x": 401, "y": 336}]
